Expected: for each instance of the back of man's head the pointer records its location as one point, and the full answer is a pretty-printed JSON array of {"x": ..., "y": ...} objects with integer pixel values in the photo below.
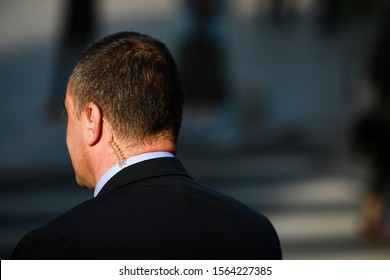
[{"x": 135, "y": 82}]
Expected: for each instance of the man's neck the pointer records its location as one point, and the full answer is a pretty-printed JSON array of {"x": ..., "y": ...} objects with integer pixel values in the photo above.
[{"x": 128, "y": 162}]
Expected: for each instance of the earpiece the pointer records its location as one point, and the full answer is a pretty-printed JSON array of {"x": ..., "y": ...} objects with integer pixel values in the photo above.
[{"x": 115, "y": 146}]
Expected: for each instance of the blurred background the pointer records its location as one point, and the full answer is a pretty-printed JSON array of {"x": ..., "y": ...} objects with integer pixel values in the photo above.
[{"x": 286, "y": 110}]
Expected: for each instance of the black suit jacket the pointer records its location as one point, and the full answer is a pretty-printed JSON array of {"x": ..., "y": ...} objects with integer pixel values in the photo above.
[{"x": 154, "y": 210}]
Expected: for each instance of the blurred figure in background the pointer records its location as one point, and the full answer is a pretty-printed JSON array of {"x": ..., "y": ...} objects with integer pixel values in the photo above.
[
  {"x": 283, "y": 11},
  {"x": 78, "y": 30},
  {"x": 372, "y": 137},
  {"x": 334, "y": 13},
  {"x": 201, "y": 62},
  {"x": 330, "y": 14}
]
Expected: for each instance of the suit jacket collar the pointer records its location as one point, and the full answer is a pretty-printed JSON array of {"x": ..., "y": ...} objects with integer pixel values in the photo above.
[{"x": 144, "y": 170}]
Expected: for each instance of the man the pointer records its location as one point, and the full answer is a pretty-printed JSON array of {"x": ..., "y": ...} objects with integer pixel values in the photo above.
[{"x": 124, "y": 103}]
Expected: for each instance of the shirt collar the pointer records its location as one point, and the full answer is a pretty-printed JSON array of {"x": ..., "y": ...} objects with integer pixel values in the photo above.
[{"x": 130, "y": 161}]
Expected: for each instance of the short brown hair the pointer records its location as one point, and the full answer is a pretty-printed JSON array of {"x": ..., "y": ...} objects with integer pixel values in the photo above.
[{"x": 134, "y": 80}]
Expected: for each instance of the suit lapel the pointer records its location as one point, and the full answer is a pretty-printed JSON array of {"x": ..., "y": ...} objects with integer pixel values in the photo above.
[{"x": 143, "y": 170}]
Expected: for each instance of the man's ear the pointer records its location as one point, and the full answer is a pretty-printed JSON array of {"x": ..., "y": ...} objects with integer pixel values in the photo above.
[{"x": 94, "y": 123}]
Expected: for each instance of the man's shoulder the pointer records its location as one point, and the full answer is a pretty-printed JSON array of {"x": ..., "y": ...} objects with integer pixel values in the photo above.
[
  {"x": 79, "y": 213},
  {"x": 42, "y": 243}
]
